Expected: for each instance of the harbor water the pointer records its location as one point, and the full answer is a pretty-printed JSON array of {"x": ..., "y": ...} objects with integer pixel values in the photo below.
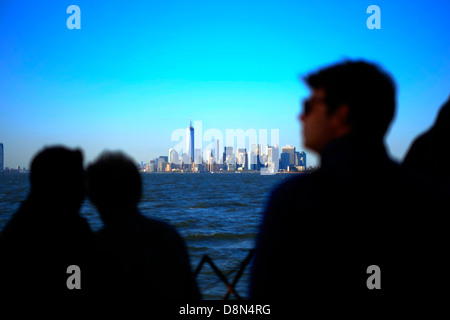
[{"x": 216, "y": 214}]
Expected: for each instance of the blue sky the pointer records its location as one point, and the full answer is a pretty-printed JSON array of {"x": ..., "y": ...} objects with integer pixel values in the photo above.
[{"x": 138, "y": 70}]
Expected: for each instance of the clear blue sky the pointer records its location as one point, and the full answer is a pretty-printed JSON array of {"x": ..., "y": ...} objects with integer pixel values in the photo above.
[{"x": 138, "y": 70}]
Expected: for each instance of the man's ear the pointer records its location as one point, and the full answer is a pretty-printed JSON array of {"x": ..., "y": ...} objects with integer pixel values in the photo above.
[{"x": 340, "y": 120}]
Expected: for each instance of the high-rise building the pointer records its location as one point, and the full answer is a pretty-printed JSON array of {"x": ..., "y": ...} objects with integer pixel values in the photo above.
[
  {"x": 228, "y": 155},
  {"x": 190, "y": 142},
  {"x": 240, "y": 157},
  {"x": 270, "y": 162},
  {"x": 2, "y": 157},
  {"x": 284, "y": 160},
  {"x": 173, "y": 156},
  {"x": 185, "y": 159},
  {"x": 253, "y": 157},
  {"x": 198, "y": 158},
  {"x": 300, "y": 159},
  {"x": 217, "y": 151},
  {"x": 256, "y": 158},
  {"x": 245, "y": 166},
  {"x": 291, "y": 151},
  {"x": 211, "y": 159},
  {"x": 152, "y": 166},
  {"x": 272, "y": 154},
  {"x": 162, "y": 161}
]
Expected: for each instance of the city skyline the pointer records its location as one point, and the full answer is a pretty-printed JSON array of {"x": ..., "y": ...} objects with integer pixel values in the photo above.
[
  {"x": 234, "y": 150},
  {"x": 134, "y": 72},
  {"x": 260, "y": 156},
  {"x": 211, "y": 154}
]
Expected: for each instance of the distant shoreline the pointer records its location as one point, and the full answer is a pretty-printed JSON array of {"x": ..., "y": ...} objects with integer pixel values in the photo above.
[
  {"x": 226, "y": 172},
  {"x": 14, "y": 172}
]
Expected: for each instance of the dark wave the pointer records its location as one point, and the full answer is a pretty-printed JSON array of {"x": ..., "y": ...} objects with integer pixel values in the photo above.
[
  {"x": 209, "y": 205},
  {"x": 200, "y": 205},
  {"x": 220, "y": 236}
]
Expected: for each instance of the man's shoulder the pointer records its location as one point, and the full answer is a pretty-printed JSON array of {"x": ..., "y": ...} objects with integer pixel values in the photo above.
[
  {"x": 295, "y": 184},
  {"x": 159, "y": 227}
]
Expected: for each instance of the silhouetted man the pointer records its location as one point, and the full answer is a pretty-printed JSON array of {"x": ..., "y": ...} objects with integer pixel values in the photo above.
[
  {"x": 143, "y": 259},
  {"x": 47, "y": 235},
  {"x": 361, "y": 228},
  {"x": 429, "y": 153}
]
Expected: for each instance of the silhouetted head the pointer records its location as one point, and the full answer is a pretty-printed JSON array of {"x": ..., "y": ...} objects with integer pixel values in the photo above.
[
  {"x": 57, "y": 177},
  {"x": 114, "y": 183},
  {"x": 442, "y": 124},
  {"x": 349, "y": 97}
]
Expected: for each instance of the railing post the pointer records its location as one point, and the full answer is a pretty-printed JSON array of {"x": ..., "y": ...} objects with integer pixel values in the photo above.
[{"x": 230, "y": 287}]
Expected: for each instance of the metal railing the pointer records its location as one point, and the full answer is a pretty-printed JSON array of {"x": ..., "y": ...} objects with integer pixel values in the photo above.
[{"x": 230, "y": 286}]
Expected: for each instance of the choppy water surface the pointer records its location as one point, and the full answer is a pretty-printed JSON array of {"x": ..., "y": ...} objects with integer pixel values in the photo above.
[{"x": 216, "y": 214}]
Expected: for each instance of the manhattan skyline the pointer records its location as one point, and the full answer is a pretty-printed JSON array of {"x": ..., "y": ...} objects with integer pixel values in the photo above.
[
  {"x": 232, "y": 142},
  {"x": 135, "y": 72}
]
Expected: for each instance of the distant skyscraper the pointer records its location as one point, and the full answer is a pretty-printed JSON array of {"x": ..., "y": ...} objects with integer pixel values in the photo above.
[
  {"x": 297, "y": 159},
  {"x": 303, "y": 155},
  {"x": 173, "y": 156},
  {"x": 273, "y": 163},
  {"x": 198, "y": 158},
  {"x": 190, "y": 142},
  {"x": 2, "y": 157},
  {"x": 252, "y": 157},
  {"x": 228, "y": 155},
  {"x": 163, "y": 159},
  {"x": 300, "y": 159},
  {"x": 291, "y": 151},
  {"x": 217, "y": 151},
  {"x": 255, "y": 157},
  {"x": 284, "y": 160},
  {"x": 240, "y": 157},
  {"x": 272, "y": 155}
]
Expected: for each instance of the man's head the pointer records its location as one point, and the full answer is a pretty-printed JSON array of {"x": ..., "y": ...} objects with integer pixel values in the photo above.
[
  {"x": 57, "y": 177},
  {"x": 353, "y": 96},
  {"x": 114, "y": 182}
]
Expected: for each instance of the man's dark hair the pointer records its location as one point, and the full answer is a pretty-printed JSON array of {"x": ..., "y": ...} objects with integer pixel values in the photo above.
[
  {"x": 114, "y": 180},
  {"x": 367, "y": 90},
  {"x": 57, "y": 173}
]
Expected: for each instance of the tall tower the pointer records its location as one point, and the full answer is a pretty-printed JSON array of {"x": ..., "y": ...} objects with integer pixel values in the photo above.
[
  {"x": 217, "y": 151},
  {"x": 190, "y": 142},
  {"x": 2, "y": 158}
]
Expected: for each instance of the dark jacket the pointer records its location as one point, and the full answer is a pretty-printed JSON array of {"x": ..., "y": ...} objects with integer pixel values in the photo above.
[
  {"x": 144, "y": 260},
  {"x": 429, "y": 153},
  {"x": 37, "y": 246},
  {"x": 322, "y": 231}
]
